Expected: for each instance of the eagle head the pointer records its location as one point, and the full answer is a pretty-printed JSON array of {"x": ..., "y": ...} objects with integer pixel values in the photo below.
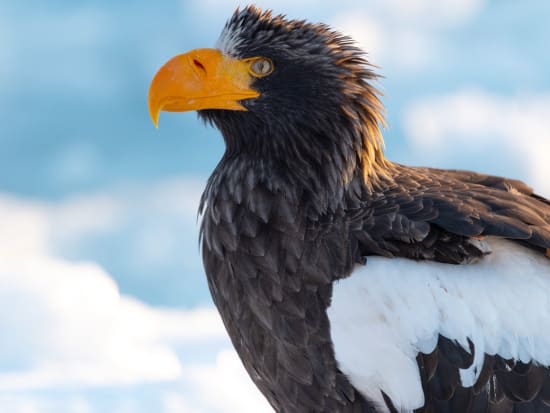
[{"x": 288, "y": 92}]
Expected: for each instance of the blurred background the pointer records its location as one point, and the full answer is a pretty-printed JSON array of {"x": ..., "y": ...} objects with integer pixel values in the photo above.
[{"x": 104, "y": 306}]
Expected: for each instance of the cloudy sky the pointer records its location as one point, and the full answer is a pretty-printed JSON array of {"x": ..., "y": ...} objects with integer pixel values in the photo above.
[{"x": 103, "y": 301}]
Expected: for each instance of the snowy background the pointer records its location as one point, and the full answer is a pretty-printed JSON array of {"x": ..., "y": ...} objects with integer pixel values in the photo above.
[{"x": 103, "y": 302}]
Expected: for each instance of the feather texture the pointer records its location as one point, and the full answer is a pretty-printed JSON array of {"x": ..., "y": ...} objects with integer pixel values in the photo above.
[
  {"x": 304, "y": 215},
  {"x": 391, "y": 316}
]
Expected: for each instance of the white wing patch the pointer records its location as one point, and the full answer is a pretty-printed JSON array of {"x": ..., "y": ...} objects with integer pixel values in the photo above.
[{"x": 391, "y": 309}]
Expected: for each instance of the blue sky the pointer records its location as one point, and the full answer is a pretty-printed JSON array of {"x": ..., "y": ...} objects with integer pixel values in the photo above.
[{"x": 104, "y": 302}]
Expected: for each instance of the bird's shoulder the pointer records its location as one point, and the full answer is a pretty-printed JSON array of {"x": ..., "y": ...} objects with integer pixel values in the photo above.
[{"x": 443, "y": 215}]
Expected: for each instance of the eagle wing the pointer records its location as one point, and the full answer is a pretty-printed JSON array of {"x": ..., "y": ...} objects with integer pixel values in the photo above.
[
  {"x": 450, "y": 217},
  {"x": 440, "y": 215}
]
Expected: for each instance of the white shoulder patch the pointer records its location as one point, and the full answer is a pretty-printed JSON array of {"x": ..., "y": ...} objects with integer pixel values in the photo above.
[{"x": 391, "y": 309}]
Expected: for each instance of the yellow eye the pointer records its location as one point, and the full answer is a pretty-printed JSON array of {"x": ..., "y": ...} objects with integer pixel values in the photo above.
[{"x": 260, "y": 66}]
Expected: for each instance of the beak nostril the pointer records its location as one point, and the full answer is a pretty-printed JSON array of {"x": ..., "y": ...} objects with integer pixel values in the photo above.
[{"x": 199, "y": 66}]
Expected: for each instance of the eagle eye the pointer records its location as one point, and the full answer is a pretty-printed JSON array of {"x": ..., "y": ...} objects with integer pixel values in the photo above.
[{"x": 260, "y": 66}]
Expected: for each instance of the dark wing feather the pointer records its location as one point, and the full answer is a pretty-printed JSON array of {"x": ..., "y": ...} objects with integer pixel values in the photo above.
[
  {"x": 440, "y": 215},
  {"x": 502, "y": 386},
  {"x": 433, "y": 214}
]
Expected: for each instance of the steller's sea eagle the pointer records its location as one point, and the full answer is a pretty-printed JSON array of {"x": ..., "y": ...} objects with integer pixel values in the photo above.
[{"x": 347, "y": 282}]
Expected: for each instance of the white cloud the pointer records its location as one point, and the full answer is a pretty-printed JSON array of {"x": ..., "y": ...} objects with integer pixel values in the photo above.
[
  {"x": 161, "y": 210},
  {"x": 79, "y": 331},
  {"x": 234, "y": 386},
  {"x": 65, "y": 326},
  {"x": 14, "y": 404},
  {"x": 23, "y": 229},
  {"x": 473, "y": 119},
  {"x": 176, "y": 403},
  {"x": 407, "y": 47},
  {"x": 175, "y": 204},
  {"x": 403, "y": 33},
  {"x": 365, "y": 30},
  {"x": 83, "y": 215}
]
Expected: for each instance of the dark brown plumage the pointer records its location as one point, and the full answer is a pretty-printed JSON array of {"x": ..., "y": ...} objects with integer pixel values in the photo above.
[{"x": 304, "y": 194}]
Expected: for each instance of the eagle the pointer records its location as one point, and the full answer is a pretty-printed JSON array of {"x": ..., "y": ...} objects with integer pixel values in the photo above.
[{"x": 348, "y": 282}]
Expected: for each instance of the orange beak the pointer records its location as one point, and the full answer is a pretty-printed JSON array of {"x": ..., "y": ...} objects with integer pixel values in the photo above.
[{"x": 200, "y": 79}]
